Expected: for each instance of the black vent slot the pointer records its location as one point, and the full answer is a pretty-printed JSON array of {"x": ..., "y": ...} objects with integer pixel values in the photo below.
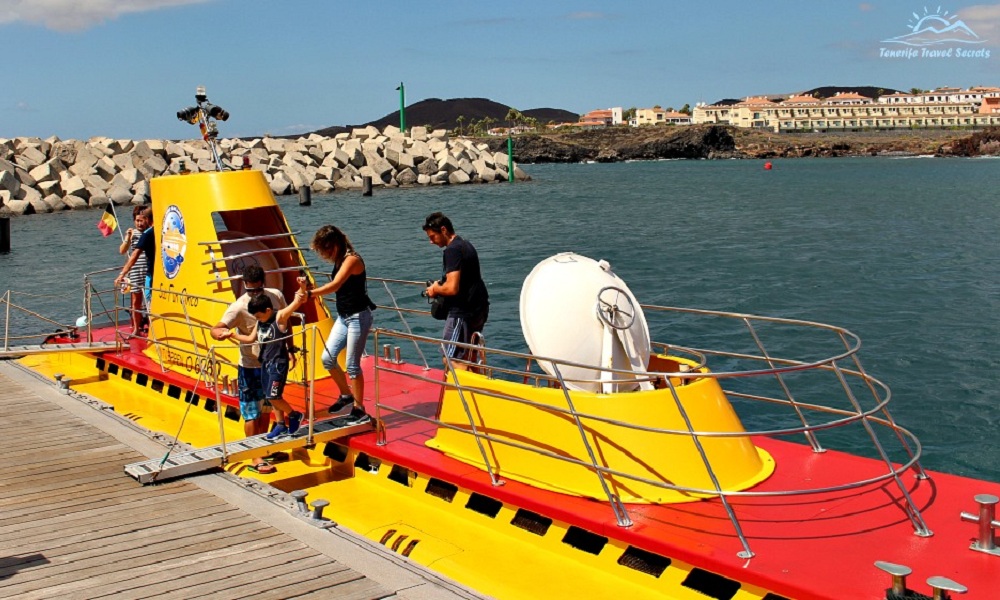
[
  {"x": 156, "y": 386},
  {"x": 209, "y": 405},
  {"x": 772, "y": 596},
  {"x": 174, "y": 392},
  {"x": 367, "y": 463},
  {"x": 127, "y": 374},
  {"x": 644, "y": 562},
  {"x": 531, "y": 522},
  {"x": 232, "y": 413},
  {"x": 710, "y": 584},
  {"x": 581, "y": 539},
  {"x": 401, "y": 475},
  {"x": 101, "y": 364},
  {"x": 142, "y": 379},
  {"x": 335, "y": 452},
  {"x": 484, "y": 505},
  {"x": 441, "y": 489},
  {"x": 192, "y": 399},
  {"x": 112, "y": 369}
]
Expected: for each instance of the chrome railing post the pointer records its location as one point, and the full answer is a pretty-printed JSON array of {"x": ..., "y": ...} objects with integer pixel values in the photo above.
[
  {"x": 218, "y": 405},
  {"x": 6, "y": 323},
  {"x": 621, "y": 515},
  {"x": 309, "y": 375},
  {"x": 450, "y": 369},
  {"x": 810, "y": 436},
  {"x": 921, "y": 474},
  {"x": 912, "y": 511},
  {"x": 380, "y": 437},
  {"x": 406, "y": 325},
  {"x": 747, "y": 552}
]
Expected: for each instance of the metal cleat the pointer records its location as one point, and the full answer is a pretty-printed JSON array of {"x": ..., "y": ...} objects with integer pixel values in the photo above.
[
  {"x": 943, "y": 585},
  {"x": 318, "y": 507},
  {"x": 899, "y": 574},
  {"x": 986, "y": 542},
  {"x": 300, "y": 500}
]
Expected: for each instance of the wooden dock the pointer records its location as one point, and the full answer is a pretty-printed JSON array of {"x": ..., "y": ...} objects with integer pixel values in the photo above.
[{"x": 73, "y": 525}]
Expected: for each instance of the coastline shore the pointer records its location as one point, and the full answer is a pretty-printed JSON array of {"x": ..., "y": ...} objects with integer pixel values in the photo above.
[
  {"x": 41, "y": 176},
  {"x": 726, "y": 142}
]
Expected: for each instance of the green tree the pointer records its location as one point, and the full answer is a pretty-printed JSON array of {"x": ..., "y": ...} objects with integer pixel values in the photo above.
[
  {"x": 488, "y": 123},
  {"x": 458, "y": 121},
  {"x": 916, "y": 91},
  {"x": 514, "y": 117},
  {"x": 629, "y": 114},
  {"x": 686, "y": 109}
]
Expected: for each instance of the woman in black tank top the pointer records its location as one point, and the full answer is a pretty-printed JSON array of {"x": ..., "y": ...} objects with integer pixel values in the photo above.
[{"x": 354, "y": 317}]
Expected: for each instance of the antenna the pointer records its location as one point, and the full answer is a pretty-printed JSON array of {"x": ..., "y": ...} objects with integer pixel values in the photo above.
[{"x": 204, "y": 114}]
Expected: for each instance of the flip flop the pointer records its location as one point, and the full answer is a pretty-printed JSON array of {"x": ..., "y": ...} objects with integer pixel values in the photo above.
[
  {"x": 276, "y": 457},
  {"x": 262, "y": 468}
]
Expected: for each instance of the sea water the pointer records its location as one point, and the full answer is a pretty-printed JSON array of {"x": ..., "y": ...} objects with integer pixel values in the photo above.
[{"x": 902, "y": 252}]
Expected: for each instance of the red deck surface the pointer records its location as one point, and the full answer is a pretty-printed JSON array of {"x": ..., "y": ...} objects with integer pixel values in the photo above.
[{"x": 806, "y": 546}]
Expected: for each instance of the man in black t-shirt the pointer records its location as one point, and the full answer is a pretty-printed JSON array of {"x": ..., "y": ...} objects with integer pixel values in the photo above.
[{"x": 462, "y": 284}]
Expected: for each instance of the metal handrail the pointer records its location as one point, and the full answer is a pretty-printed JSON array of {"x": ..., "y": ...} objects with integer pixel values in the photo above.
[{"x": 776, "y": 367}]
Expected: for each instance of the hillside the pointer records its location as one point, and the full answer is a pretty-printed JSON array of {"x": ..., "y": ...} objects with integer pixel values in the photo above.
[{"x": 444, "y": 114}]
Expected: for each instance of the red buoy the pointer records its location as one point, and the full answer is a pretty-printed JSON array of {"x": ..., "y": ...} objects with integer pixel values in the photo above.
[{"x": 767, "y": 166}]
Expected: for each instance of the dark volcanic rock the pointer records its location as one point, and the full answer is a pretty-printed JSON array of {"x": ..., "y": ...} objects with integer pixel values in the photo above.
[
  {"x": 621, "y": 143},
  {"x": 690, "y": 142}
]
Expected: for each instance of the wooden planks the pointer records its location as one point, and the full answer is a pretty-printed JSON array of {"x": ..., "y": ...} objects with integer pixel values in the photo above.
[{"x": 73, "y": 525}]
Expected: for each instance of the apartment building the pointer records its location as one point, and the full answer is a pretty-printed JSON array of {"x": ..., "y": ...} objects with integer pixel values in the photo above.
[
  {"x": 658, "y": 116},
  {"x": 944, "y": 107}
]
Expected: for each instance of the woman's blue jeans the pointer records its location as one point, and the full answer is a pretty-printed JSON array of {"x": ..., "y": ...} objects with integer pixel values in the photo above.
[{"x": 349, "y": 332}]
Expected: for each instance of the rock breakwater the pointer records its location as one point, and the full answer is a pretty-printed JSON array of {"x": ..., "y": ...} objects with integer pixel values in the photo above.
[{"x": 47, "y": 175}]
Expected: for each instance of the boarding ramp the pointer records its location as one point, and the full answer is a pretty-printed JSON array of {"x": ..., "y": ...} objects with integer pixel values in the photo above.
[
  {"x": 19, "y": 351},
  {"x": 197, "y": 461}
]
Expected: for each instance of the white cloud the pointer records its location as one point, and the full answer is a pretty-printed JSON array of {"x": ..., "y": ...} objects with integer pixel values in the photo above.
[
  {"x": 76, "y": 15},
  {"x": 984, "y": 19}
]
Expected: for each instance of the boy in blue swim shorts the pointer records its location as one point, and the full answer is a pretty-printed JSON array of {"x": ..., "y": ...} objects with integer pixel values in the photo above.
[{"x": 272, "y": 334}]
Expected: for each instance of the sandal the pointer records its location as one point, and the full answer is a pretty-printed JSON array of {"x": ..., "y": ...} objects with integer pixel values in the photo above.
[
  {"x": 262, "y": 468},
  {"x": 276, "y": 457}
]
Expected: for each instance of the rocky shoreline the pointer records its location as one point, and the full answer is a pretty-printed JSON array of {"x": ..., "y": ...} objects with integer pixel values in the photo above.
[
  {"x": 40, "y": 176},
  {"x": 725, "y": 142}
]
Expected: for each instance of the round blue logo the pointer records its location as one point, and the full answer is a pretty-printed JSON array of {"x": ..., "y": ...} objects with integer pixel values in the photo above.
[{"x": 173, "y": 241}]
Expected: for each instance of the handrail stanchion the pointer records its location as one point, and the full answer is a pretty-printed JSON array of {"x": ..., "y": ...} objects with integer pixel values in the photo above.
[
  {"x": 406, "y": 324},
  {"x": 496, "y": 481},
  {"x": 911, "y": 509},
  {"x": 810, "y": 436},
  {"x": 6, "y": 323},
  {"x": 309, "y": 373},
  {"x": 921, "y": 474},
  {"x": 380, "y": 438},
  {"x": 746, "y": 552},
  {"x": 621, "y": 515},
  {"x": 218, "y": 406}
]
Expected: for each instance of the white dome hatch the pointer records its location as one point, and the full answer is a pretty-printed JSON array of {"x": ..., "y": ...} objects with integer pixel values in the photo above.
[{"x": 575, "y": 309}]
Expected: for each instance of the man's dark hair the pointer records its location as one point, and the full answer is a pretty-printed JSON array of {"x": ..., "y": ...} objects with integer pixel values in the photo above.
[
  {"x": 435, "y": 221},
  {"x": 259, "y": 304},
  {"x": 253, "y": 274}
]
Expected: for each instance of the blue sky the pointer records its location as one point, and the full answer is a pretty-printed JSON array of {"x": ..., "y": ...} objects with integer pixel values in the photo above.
[{"x": 122, "y": 68}]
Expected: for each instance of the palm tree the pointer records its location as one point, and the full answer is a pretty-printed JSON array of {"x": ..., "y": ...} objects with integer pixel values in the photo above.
[
  {"x": 514, "y": 117},
  {"x": 458, "y": 121},
  {"x": 487, "y": 123}
]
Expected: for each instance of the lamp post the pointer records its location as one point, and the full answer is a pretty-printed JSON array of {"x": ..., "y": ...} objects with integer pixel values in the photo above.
[{"x": 402, "y": 107}]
